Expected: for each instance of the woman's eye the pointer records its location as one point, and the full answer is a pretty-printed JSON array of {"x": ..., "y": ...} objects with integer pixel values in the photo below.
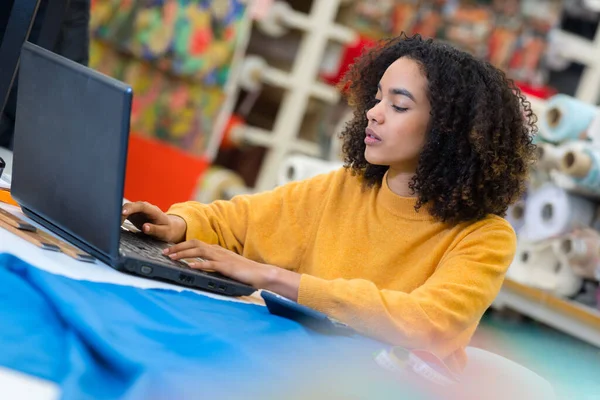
[
  {"x": 376, "y": 101},
  {"x": 399, "y": 109}
]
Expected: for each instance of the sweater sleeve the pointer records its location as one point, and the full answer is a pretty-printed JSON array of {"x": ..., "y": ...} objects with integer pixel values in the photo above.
[
  {"x": 436, "y": 315},
  {"x": 258, "y": 226}
]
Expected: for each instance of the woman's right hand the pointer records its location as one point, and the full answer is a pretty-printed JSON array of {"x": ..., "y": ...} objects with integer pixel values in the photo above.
[{"x": 154, "y": 222}]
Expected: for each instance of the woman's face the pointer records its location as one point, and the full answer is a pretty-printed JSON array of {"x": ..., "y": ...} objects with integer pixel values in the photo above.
[{"x": 398, "y": 123}]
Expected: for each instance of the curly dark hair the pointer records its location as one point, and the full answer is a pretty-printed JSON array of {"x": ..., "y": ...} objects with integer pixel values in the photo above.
[{"x": 479, "y": 147}]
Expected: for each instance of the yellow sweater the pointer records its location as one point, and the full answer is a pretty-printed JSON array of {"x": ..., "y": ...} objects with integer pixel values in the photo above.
[{"x": 367, "y": 258}]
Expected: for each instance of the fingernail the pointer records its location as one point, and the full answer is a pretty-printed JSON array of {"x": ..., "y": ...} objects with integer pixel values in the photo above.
[
  {"x": 173, "y": 255},
  {"x": 124, "y": 212},
  {"x": 146, "y": 228},
  {"x": 166, "y": 251},
  {"x": 193, "y": 265}
]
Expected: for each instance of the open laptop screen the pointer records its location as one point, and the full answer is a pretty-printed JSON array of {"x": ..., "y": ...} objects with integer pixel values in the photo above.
[{"x": 70, "y": 148}]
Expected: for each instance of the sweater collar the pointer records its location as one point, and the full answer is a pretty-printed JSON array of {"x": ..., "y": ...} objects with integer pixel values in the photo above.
[{"x": 401, "y": 206}]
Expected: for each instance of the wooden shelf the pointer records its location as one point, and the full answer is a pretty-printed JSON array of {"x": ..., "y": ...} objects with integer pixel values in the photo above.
[{"x": 564, "y": 315}]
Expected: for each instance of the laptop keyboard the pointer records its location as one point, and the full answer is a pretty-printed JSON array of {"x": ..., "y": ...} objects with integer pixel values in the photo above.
[
  {"x": 151, "y": 249},
  {"x": 148, "y": 248}
]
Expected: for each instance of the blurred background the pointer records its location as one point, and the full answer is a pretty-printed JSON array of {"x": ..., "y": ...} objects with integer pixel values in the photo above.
[{"x": 239, "y": 96}]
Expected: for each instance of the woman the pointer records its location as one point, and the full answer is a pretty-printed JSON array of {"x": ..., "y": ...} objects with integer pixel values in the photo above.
[{"x": 407, "y": 243}]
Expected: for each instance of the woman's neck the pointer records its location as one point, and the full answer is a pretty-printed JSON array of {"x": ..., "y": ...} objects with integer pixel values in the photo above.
[{"x": 398, "y": 182}]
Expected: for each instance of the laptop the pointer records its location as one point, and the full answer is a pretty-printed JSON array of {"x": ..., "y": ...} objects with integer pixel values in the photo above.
[{"x": 70, "y": 152}]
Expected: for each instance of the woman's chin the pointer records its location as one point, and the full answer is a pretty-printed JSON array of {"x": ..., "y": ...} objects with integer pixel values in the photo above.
[{"x": 374, "y": 160}]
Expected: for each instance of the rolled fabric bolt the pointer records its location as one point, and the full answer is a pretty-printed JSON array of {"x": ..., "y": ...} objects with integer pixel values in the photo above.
[
  {"x": 566, "y": 118},
  {"x": 251, "y": 73},
  {"x": 538, "y": 265},
  {"x": 530, "y": 255},
  {"x": 549, "y": 156},
  {"x": 576, "y": 163},
  {"x": 582, "y": 251},
  {"x": 552, "y": 212},
  {"x": 519, "y": 270},
  {"x": 573, "y": 185},
  {"x": 583, "y": 166},
  {"x": 219, "y": 184},
  {"x": 230, "y": 133},
  {"x": 273, "y": 23},
  {"x": 299, "y": 167},
  {"x": 574, "y": 249},
  {"x": 557, "y": 277}
]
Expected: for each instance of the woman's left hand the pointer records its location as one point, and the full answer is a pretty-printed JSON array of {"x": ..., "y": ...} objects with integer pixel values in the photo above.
[{"x": 223, "y": 261}]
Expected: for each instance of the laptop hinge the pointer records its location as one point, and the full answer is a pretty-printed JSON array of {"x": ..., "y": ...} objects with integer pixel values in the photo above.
[{"x": 68, "y": 237}]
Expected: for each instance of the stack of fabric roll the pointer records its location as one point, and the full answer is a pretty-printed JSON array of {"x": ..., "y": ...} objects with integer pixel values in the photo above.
[
  {"x": 558, "y": 220},
  {"x": 219, "y": 183}
]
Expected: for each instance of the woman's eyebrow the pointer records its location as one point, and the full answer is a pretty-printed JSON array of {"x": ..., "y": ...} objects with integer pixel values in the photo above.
[
  {"x": 399, "y": 91},
  {"x": 402, "y": 92}
]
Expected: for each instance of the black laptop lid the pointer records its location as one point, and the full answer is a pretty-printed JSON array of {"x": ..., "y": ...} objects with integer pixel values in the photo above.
[{"x": 70, "y": 148}]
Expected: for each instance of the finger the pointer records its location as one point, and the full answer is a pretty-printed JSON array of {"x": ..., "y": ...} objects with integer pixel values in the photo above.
[
  {"x": 188, "y": 253},
  {"x": 132, "y": 208},
  {"x": 135, "y": 213},
  {"x": 160, "y": 232},
  {"x": 141, "y": 212},
  {"x": 188, "y": 244},
  {"x": 207, "y": 265}
]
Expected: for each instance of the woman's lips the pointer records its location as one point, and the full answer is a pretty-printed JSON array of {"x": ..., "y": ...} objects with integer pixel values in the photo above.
[{"x": 371, "y": 137}]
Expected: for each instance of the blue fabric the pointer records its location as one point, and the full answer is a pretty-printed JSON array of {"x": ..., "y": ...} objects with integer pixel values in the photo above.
[{"x": 102, "y": 341}]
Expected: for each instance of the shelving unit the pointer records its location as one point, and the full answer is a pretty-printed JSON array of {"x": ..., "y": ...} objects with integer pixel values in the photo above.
[
  {"x": 300, "y": 84},
  {"x": 564, "y": 315},
  {"x": 586, "y": 52},
  {"x": 583, "y": 51},
  {"x": 567, "y": 316}
]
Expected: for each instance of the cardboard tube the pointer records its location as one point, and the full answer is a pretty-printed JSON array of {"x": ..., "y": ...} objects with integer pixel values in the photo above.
[
  {"x": 576, "y": 163},
  {"x": 515, "y": 215},
  {"x": 573, "y": 249},
  {"x": 554, "y": 115},
  {"x": 518, "y": 211}
]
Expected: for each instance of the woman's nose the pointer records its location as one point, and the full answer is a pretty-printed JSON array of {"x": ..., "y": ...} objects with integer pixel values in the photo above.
[{"x": 375, "y": 114}]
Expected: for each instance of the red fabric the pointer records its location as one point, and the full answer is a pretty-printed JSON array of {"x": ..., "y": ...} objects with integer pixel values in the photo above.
[
  {"x": 543, "y": 92},
  {"x": 160, "y": 173},
  {"x": 234, "y": 121},
  {"x": 350, "y": 53}
]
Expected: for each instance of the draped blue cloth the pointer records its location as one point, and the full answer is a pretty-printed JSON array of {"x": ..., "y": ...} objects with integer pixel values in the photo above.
[{"x": 106, "y": 341}]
